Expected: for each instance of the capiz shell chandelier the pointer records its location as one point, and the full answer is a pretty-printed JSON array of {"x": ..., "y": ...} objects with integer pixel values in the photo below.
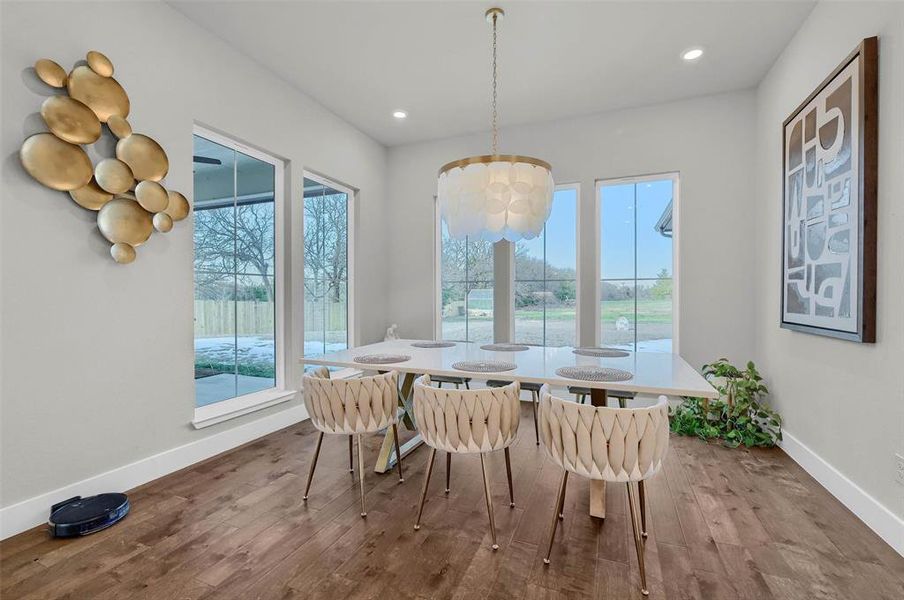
[{"x": 495, "y": 196}]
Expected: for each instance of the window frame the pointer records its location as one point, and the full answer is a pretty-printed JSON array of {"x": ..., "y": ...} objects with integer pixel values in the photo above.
[
  {"x": 350, "y": 199},
  {"x": 675, "y": 178},
  {"x": 217, "y": 412},
  {"x": 577, "y": 274}
]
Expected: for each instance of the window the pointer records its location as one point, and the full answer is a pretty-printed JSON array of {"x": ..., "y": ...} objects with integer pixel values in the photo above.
[
  {"x": 546, "y": 277},
  {"x": 466, "y": 284},
  {"x": 637, "y": 263},
  {"x": 237, "y": 200},
  {"x": 328, "y": 214}
]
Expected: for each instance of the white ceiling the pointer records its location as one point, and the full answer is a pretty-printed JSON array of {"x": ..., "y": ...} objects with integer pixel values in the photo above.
[{"x": 363, "y": 60}]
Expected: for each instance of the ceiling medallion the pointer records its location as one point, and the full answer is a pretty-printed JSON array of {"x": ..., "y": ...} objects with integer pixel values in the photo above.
[
  {"x": 58, "y": 161},
  {"x": 495, "y": 196}
]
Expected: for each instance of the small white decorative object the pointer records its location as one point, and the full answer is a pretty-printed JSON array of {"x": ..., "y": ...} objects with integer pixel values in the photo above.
[{"x": 391, "y": 333}]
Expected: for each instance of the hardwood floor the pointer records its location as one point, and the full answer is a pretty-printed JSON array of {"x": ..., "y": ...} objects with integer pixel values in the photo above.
[{"x": 724, "y": 524}]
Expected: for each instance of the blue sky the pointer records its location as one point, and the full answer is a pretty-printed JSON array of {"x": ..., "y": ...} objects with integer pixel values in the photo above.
[
  {"x": 617, "y": 225},
  {"x": 619, "y": 217}
]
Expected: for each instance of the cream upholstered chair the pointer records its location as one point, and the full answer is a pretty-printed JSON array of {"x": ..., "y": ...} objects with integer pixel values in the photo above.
[
  {"x": 351, "y": 407},
  {"x": 526, "y": 386},
  {"x": 467, "y": 422},
  {"x": 612, "y": 444}
]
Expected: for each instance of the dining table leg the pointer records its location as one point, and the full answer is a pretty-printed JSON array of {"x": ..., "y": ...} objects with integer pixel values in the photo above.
[
  {"x": 388, "y": 456},
  {"x": 597, "y": 486}
]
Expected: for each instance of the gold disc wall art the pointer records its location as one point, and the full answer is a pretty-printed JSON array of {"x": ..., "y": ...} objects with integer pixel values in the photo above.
[
  {"x": 57, "y": 160},
  {"x": 51, "y": 73},
  {"x": 70, "y": 120},
  {"x": 119, "y": 126},
  {"x": 113, "y": 176},
  {"x": 103, "y": 94},
  {"x": 123, "y": 221},
  {"x": 151, "y": 196},
  {"x": 91, "y": 196},
  {"x": 145, "y": 156},
  {"x": 57, "y": 164},
  {"x": 100, "y": 64},
  {"x": 178, "y": 207}
]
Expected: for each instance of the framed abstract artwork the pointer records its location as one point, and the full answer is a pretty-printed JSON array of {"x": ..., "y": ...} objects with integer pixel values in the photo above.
[{"x": 829, "y": 178}]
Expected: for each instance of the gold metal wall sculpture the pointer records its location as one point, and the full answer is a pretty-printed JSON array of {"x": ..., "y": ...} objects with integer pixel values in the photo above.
[{"x": 126, "y": 191}]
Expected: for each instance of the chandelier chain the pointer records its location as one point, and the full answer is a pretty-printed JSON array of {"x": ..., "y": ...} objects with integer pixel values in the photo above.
[{"x": 495, "y": 133}]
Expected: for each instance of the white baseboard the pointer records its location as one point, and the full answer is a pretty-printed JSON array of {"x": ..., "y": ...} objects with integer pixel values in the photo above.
[
  {"x": 877, "y": 517},
  {"x": 17, "y": 518}
]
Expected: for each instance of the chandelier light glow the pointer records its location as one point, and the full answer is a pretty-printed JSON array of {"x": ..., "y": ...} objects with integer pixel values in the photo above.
[{"x": 495, "y": 196}]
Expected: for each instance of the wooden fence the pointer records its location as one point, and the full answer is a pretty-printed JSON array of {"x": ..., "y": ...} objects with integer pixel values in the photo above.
[
  {"x": 221, "y": 317},
  {"x": 248, "y": 317}
]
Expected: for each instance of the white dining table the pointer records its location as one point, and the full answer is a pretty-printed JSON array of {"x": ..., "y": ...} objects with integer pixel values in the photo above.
[{"x": 656, "y": 373}]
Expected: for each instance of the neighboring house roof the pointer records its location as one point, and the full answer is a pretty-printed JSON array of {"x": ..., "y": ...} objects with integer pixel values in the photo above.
[{"x": 664, "y": 224}]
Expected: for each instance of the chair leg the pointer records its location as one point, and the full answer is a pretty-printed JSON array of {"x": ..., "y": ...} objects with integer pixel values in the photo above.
[
  {"x": 556, "y": 516},
  {"x": 351, "y": 454},
  {"x": 439, "y": 384},
  {"x": 508, "y": 472},
  {"x": 307, "y": 486},
  {"x": 535, "y": 400},
  {"x": 361, "y": 472},
  {"x": 561, "y": 507},
  {"x": 622, "y": 403},
  {"x": 420, "y": 508},
  {"x": 398, "y": 451},
  {"x": 448, "y": 471},
  {"x": 467, "y": 387},
  {"x": 486, "y": 489},
  {"x": 638, "y": 540},
  {"x": 642, "y": 494},
  {"x": 582, "y": 398},
  {"x": 456, "y": 385}
]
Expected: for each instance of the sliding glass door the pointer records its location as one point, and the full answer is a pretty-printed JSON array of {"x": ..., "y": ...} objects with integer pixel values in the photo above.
[
  {"x": 328, "y": 217},
  {"x": 235, "y": 195}
]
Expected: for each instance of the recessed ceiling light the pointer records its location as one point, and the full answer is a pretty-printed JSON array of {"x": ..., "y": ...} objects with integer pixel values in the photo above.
[
  {"x": 692, "y": 54},
  {"x": 400, "y": 114}
]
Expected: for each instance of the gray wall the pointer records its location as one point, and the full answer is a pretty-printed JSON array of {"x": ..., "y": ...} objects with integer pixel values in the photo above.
[
  {"x": 97, "y": 357},
  {"x": 709, "y": 140},
  {"x": 843, "y": 400}
]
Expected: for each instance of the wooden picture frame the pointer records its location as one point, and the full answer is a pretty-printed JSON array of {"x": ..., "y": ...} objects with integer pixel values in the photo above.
[{"x": 830, "y": 167}]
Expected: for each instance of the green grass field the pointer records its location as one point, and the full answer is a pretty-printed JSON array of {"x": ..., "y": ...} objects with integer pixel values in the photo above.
[{"x": 648, "y": 311}]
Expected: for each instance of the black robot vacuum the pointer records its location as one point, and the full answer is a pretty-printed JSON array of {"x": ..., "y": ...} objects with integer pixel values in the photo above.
[{"x": 81, "y": 516}]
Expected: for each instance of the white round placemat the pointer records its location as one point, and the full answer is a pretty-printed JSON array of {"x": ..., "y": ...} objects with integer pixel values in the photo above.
[
  {"x": 603, "y": 352},
  {"x": 484, "y": 366},
  {"x": 505, "y": 347},
  {"x": 381, "y": 359},
  {"x": 594, "y": 373},
  {"x": 433, "y": 344}
]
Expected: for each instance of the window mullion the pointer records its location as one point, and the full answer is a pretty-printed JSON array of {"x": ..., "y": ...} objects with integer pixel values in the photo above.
[{"x": 235, "y": 269}]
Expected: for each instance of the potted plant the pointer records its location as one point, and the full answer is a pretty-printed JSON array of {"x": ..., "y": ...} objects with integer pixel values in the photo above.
[{"x": 739, "y": 416}]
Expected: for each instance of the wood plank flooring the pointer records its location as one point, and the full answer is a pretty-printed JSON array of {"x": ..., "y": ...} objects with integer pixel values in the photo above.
[{"x": 723, "y": 524}]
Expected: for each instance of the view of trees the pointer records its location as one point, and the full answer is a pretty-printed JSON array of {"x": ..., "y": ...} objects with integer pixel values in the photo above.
[
  {"x": 326, "y": 243},
  {"x": 660, "y": 289},
  {"x": 530, "y": 290},
  {"x": 234, "y": 239},
  {"x": 474, "y": 260}
]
